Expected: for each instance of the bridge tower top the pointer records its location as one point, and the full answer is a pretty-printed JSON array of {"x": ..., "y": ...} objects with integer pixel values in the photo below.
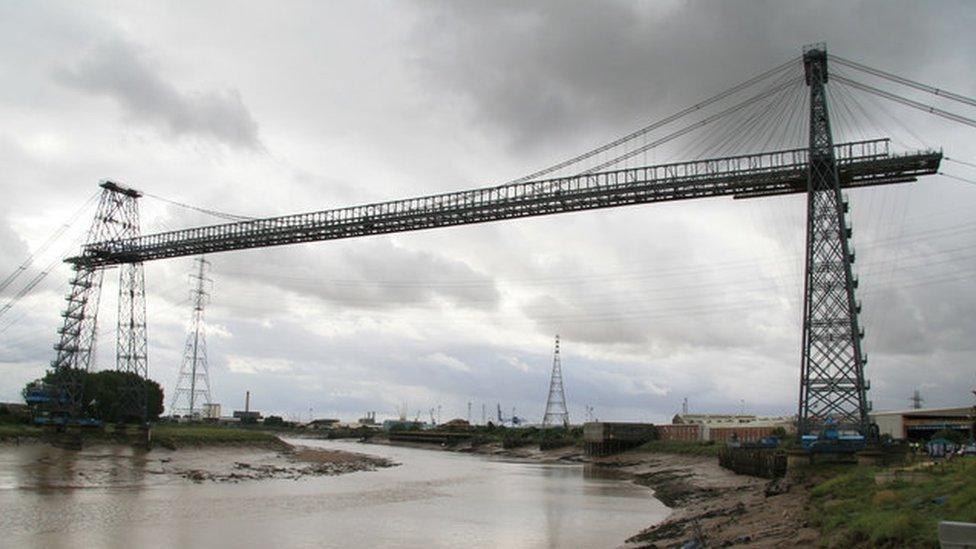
[
  {"x": 116, "y": 188},
  {"x": 815, "y": 54}
]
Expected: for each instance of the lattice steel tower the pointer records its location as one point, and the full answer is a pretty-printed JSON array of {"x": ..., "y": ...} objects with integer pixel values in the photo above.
[
  {"x": 832, "y": 384},
  {"x": 556, "y": 412},
  {"x": 193, "y": 384},
  {"x": 116, "y": 219}
]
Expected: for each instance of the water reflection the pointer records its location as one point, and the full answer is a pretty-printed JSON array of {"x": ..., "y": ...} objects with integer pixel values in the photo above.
[{"x": 434, "y": 499}]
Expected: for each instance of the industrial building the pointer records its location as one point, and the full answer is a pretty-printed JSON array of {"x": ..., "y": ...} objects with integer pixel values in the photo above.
[
  {"x": 724, "y": 427},
  {"x": 922, "y": 423}
]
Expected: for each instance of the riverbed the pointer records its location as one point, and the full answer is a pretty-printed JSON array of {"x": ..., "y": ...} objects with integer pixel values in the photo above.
[{"x": 432, "y": 499}]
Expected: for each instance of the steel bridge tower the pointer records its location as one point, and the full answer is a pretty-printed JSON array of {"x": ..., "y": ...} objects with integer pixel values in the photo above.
[
  {"x": 832, "y": 384},
  {"x": 116, "y": 219},
  {"x": 193, "y": 384},
  {"x": 556, "y": 412}
]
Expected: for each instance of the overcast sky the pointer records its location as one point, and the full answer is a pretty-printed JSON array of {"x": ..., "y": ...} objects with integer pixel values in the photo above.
[{"x": 272, "y": 108}]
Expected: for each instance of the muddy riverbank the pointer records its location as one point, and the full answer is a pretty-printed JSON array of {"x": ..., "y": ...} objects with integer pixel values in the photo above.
[{"x": 37, "y": 464}]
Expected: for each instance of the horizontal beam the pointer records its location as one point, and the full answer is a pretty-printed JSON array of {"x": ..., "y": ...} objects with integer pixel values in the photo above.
[{"x": 860, "y": 164}]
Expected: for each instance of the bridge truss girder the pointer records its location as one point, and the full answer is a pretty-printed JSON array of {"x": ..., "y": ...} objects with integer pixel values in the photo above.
[{"x": 859, "y": 164}]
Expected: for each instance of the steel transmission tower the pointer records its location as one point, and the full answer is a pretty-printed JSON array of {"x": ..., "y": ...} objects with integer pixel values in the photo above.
[
  {"x": 116, "y": 219},
  {"x": 193, "y": 384},
  {"x": 916, "y": 400},
  {"x": 832, "y": 384},
  {"x": 556, "y": 412}
]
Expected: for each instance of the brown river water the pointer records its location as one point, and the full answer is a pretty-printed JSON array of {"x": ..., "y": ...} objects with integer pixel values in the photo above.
[{"x": 114, "y": 497}]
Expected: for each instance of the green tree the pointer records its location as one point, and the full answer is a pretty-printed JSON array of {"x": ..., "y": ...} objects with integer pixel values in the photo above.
[
  {"x": 104, "y": 391},
  {"x": 950, "y": 435}
]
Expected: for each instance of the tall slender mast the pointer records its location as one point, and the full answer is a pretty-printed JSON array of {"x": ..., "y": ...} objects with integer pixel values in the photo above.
[
  {"x": 194, "y": 380},
  {"x": 556, "y": 412}
]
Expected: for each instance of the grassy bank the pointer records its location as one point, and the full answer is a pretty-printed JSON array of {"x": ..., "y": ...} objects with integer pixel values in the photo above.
[
  {"x": 176, "y": 436},
  {"x": 870, "y": 507},
  {"x": 681, "y": 447},
  {"x": 18, "y": 430},
  {"x": 165, "y": 435}
]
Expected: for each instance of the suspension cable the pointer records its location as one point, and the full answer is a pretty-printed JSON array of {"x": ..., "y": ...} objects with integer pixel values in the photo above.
[
  {"x": 215, "y": 213},
  {"x": 905, "y": 81},
  {"x": 46, "y": 244},
  {"x": 651, "y": 127},
  {"x": 963, "y": 162},
  {"x": 957, "y": 178},
  {"x": 701, "y": 123},
  {"x": 905, "y": 101}
]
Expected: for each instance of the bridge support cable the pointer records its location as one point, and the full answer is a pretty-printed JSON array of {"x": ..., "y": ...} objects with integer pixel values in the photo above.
[
  {"x": 691, "y": 127},
  {"x": 905, "y": 101},
  {"x": 832, "y": 383},
  {"x": 116, "y": 218},
  {"x": 658, "y": 124},
  {"x": 904, "y": 81},
  {"x": 211, "y": 212},
  {"x": 9, "y": 279}
]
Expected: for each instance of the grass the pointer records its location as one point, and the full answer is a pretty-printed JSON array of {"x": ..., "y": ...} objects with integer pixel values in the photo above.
[
  {"x": 852, "y": 510},
  {"x": 166, "y": 435},
  {"x": 14, "y": 430},
  {"x": 688, "y": 448},
  {"x": 174, "y": 436}
]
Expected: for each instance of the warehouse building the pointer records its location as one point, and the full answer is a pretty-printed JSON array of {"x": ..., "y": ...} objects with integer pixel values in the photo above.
[{"x": 922, "y": 423}]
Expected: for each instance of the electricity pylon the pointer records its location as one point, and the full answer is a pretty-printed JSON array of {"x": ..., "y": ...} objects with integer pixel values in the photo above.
[
  {"x": 556, "y": 412},
  {"x": 193, "y": 384}
]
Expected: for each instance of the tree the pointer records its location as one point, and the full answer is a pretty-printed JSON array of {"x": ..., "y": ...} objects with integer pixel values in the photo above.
[
  {"x": 951, "y": 435},
  {"x": 103, "y": 390}
]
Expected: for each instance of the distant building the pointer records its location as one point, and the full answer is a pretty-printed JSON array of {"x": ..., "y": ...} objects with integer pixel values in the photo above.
[
  {"x": 211, "y": 410},
  {"x": 724, "y": 427},
  {"x": 728, "y": 420},
  {"x": 246, "y": 416},
  {"x": 921, "y": 424},
  {"x": 322, "y": 424},
  {"x": 369, "y": 419}
]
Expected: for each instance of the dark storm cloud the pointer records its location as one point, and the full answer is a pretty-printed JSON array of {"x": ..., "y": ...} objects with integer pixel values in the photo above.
[
  {"x": 538, "y": 71},
  {"x": 122, "y": 71}
]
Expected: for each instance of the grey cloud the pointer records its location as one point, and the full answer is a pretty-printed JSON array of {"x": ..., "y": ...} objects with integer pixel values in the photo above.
[
  {"x": 534, "y": 71},
  {"x": 368, "y": 275},
  {"x": 121, "y": 70},
  {"x": 13, "y": 250}
]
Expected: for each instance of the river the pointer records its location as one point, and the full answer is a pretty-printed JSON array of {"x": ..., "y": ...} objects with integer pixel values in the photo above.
[{"x": 433, "y": 499}]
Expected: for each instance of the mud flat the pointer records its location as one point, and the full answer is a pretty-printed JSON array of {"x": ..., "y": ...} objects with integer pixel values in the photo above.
[
  {"x": 37, "y": 465},
  {"x": 713, "y": 506}
]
